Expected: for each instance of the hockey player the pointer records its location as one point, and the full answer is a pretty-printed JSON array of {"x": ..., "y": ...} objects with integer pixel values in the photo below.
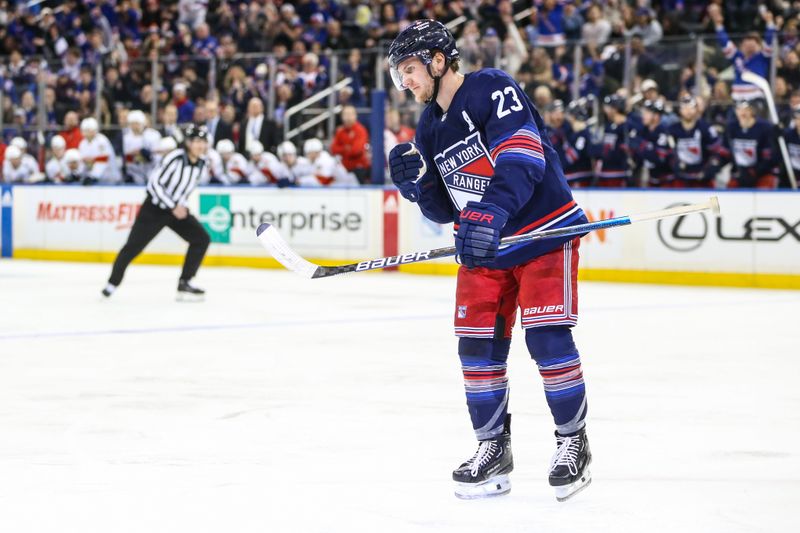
[
  {"x": 97, "y": 153},
  {"x": 165, "y": 145},
  {"x": 558, "y": 130},
  {"x": 479, "y": 161},
  {"x": 696, "y": 147},
  {"x": 138, "y": 144},
  {"x": 235, "y": 167},
  {"x": 215, "y": 169},
  {"x": 578, "y": 149},
  {"x": 74, "y": 169},
  {"x": 654, "y": 147},
  {"x": 293, "y": 165},
  {"x": 168, "y": 190},
  {"x": 325, "y": 170},
  {"x": 615, "y": 164},
  {"x": 266, "y": 169},
  {"x": 749, "y": 144},
  {"x": 55, "y": 169},
  {"x": 19, "y": 167},
  {"x": 792, "y": 136}
]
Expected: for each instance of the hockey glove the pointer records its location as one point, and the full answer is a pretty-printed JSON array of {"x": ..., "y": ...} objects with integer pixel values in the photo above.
[
  {"x": 478, "y": 236},
  {"x": 407, "y": 167}
]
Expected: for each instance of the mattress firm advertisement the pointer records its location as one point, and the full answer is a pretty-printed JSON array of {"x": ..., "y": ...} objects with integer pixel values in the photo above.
[{"x": 326, "y": 224}]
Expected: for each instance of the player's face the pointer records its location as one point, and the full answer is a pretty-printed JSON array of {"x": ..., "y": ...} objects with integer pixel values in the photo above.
[
  {"x": 197, "y": 147},
  {"x": 688, "y": 111},
  {"x": 744, "y": 113},
  {"x": 414, "y": 77}
]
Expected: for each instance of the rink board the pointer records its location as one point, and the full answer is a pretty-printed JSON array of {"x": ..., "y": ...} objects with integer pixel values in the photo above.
[{"x": 754, "y": 242}]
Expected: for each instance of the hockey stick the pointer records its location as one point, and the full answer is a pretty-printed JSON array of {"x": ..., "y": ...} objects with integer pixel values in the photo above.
[
  {"x": 280, "y": 250},
  {"x": 761, "y": 83}
]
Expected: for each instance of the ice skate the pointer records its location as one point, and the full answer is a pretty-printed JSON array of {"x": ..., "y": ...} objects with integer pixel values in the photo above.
[
  {"x": 108, "y": 290},
  {"x": 486, "y": 473},
  {"x": 569, "y": 467},
  {"x": 189, "y": 293}
]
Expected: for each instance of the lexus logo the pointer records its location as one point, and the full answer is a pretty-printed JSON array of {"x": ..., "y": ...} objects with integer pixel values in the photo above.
[
  {"x": 688, "y": 232},
  {"x": 680, "y": 234}
]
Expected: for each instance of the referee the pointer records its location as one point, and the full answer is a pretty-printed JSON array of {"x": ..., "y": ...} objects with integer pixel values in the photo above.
[{"x": 168, "y": 188}]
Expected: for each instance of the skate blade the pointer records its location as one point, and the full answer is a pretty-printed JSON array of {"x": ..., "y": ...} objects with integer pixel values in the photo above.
[
  {"x": 188, "y": 297},
  {"x": 568, "y": 491},
  {"x": 494, "y": 486}
]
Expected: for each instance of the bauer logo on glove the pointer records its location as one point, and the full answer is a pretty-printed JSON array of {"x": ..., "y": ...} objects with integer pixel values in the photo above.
[{"x": 478, "y": 236}]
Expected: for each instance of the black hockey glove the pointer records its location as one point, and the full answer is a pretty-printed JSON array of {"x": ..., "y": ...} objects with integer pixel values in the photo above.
[
  {"x": 407, "y": 167},
  {"x": 478, "y": 236}
]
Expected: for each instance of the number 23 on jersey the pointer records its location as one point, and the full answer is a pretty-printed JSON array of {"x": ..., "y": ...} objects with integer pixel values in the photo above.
[{"x": 516, "y": 105}]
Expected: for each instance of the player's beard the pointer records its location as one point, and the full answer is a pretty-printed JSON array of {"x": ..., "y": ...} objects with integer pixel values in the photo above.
[{"x": 425, "y": 94}]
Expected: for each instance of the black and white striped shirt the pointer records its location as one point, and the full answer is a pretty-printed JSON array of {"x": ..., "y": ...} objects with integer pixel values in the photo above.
[{"x": 174, "y": 180}]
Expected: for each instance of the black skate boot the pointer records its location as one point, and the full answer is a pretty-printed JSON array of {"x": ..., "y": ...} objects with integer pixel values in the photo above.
[
  {"x": 189, "y": 293},
  {"x": 486, "y": 473},
  {"x": 569, "y": 467},
  {"x": 108, "y": 290}
]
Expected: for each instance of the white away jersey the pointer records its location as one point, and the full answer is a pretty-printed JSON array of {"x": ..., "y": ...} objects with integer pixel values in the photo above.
[
  {"x": 26, "y": 172},
  {"x": 138, "y": 152},
  {"x": 98, "y": 156},
  {"x": 326, "y": 171}
]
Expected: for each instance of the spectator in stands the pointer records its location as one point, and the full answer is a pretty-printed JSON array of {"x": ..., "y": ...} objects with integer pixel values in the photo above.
[
  {"x": 596, "y": 31},
  {"x": 256, "y": 126},
  {"x": 647, "y": 26},
  {"x": 218, "y": 128},
  {"x": 350, "y": 143},
  {"x": 750, "y": 55},
  {"x": 72, "y": 132},
  {"x": 551, "y": 22},
  {"x": 204, "y": 43},
  {"x": 182, "y": 102},
  {"x": 311, "y": 77},
  {"x": 169, "y": 123}
]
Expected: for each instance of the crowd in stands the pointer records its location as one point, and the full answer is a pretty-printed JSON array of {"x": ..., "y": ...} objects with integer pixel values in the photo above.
[{"x": 80, "y": 102}]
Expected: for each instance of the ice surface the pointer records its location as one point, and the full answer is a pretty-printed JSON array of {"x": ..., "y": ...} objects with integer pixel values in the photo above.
[{"x": 290, "y": 405}]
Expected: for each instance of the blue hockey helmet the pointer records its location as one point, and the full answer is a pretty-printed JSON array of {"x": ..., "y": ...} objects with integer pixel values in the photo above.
[
  {"x": 656, "y": 106},
  {"x": 615, "y": 102},
  {"x": 580, "y": 109},
  {"x": 421, "y": 39}
]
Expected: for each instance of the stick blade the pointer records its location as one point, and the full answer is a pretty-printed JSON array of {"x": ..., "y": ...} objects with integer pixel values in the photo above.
[
  {"x": 714, "y": 205},
  {"x": 282, "y": 252}
]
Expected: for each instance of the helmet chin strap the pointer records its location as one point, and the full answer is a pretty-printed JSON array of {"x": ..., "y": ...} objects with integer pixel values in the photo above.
[{"x": 436, "y": 81}]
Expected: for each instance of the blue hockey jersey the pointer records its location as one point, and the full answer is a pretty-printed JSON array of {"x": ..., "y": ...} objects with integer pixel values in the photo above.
[
  {"x": 751, "y": 150},
  {"x": 695, "y": 150},
  {"x": 757, "y": 63},
  {"x": 487, "y": 147}
]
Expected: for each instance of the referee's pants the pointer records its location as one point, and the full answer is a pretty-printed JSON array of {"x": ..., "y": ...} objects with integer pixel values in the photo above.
[{"x": 149, "y": 222}]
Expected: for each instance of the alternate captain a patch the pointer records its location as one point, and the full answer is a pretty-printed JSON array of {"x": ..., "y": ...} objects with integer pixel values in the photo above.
[{"x": 466, "y": 168}]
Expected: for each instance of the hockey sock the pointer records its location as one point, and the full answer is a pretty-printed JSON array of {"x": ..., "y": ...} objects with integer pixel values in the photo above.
[
  {"x": 483, "y": 362},
  {"x": 559, "y": 365}
]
